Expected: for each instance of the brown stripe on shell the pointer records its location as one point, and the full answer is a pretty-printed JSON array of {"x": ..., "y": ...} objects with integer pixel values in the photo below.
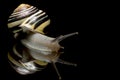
[{"x": 30, "y": 17}]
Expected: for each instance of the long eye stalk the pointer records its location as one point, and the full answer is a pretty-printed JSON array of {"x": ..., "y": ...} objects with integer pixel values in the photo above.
[{"x": 62, "y": 37}]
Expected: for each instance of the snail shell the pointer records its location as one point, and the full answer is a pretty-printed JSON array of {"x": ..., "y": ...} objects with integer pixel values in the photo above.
[{"x": 30, "y": 17}]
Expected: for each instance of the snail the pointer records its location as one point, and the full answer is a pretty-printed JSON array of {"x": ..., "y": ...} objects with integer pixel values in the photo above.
[{"x": 33, "y": 50}]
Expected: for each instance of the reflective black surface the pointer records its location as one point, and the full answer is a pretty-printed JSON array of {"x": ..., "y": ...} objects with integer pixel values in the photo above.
[{"x": 66, "y": 17}]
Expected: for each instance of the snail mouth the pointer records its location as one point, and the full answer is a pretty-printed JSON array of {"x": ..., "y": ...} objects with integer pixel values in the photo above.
[{"x": 53, "y": 57}]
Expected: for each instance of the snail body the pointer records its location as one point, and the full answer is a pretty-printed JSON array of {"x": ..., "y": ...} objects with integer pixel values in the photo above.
[{"x": 34, "y": 50}]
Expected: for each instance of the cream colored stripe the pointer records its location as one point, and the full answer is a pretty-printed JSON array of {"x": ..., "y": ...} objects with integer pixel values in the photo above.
[
  {"x": 36, "y": 17},
  {"x": 24, "y": 23},
  {"x": 15, "y": 23},
  {"x": 15, "y": 51},
  {"x": 32, "y": 19},
  {"x": 28, "y": 9},
  {"x": 41, "y": 63},
  {"x": 42, "y": 26},
  {"x": 14, "y": 61}
]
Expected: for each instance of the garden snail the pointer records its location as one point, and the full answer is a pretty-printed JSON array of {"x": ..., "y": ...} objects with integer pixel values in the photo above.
[{"x": 33, "y": 50}]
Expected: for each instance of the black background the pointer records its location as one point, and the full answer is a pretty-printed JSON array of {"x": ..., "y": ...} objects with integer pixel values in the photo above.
[{"x": 66, "y": 17}]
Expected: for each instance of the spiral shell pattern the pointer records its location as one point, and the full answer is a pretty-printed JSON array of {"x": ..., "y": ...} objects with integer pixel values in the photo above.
[{"x": 30, "y": 17}]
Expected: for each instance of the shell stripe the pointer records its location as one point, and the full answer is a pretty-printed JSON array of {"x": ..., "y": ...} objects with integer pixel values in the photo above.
[
  {"x": 41, "y": 27},
  {"x": 28, "y": 9},
  {"x": 37, "y": 21},
  {"x": 15, "y": 23},
  {"x": 35, "y": 18},
  {"x": 31, "y": 18},
  {"x": 21, "y": 16},
  {"x": 15, "y": 62},
  {"x": 18, "y": 65},
  {"x": 15, "y": 56}
]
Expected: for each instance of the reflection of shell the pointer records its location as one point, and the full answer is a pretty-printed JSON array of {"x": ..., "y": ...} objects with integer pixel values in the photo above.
[{"x": 29, "y": 17}]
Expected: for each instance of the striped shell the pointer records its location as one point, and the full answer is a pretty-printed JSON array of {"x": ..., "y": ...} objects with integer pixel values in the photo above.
[
  {"x": 35, "y": 50},
  {"x": 26, "y": 16}
]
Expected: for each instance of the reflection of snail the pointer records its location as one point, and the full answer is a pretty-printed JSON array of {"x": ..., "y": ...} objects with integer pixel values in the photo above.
[{"x": 34, "y": 50}]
